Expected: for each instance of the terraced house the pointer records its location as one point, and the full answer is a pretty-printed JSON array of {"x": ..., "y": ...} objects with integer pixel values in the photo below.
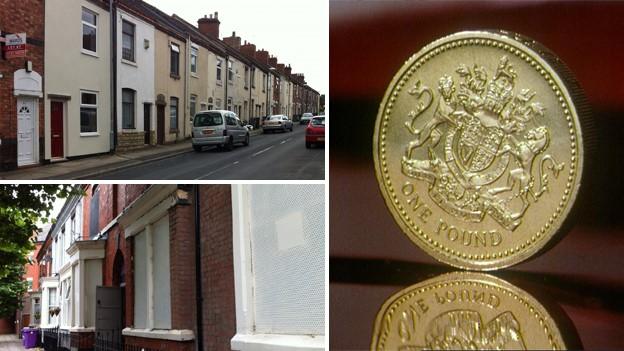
[
  {"x": 102, "y": 76},
  {"x": 169, "y": 267}
]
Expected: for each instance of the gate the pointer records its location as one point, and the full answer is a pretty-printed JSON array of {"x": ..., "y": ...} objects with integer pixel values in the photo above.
[{"x": 108, "y": 318}]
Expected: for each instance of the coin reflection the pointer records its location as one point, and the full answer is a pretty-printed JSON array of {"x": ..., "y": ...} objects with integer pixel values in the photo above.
[{"x": 465, "y": 311}]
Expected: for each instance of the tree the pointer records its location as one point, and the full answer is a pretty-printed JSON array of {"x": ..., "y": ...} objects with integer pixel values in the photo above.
[{"x": 22, "y": 206}]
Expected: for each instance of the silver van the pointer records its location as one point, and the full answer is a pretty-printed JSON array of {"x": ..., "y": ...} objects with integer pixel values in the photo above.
[{"x": 220, "y": 128}]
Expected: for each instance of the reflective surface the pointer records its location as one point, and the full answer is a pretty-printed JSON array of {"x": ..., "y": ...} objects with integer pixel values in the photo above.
[{"x": 465, "y": 311}]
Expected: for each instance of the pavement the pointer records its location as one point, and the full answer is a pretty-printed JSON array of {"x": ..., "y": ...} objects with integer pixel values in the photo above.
[
  {"x": 95, "y": 166},
  {"x": 278, "y": 156},
  {"x": 10, "y": 342}
]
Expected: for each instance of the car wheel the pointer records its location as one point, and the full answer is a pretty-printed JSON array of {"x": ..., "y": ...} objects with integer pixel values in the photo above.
[
  {"x": 230, "y": 144},
  {"x": 308, "y": 145},
  {"x": 197, "y": 148},
  {"x": 291, "y": 128},
  {"x": 246, "y": 140}
]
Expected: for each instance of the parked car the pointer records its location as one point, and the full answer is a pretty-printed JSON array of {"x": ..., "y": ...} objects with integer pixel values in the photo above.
[
  {"x": 315, "y": 132},
  {"x": 220, "y": 128},
  {"x": 305, "y": 118},
  {"x": 277, "y": 122}
]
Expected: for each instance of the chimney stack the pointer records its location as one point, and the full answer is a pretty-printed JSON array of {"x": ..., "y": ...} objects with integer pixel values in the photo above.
[
  {"x": 280, "y": 67},
  {"x": 209, "y": 26},
  {"x": 288, "y": 70},
  {"x": 248, "y": 49},
  {"x": 262, "y": 56},
  {"x": 273, "y": 62},
  {"x": 233, "y": 41}
]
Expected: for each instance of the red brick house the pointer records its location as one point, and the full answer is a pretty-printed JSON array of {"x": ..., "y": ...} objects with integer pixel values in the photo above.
[
  {"x": 168, "y": 267},
  {"x": 21, "y": 111},
  {"x": 30, "y": 313}
]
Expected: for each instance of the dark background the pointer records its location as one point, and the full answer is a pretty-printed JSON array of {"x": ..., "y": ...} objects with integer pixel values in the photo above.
[{"x": 370, "y": 258}]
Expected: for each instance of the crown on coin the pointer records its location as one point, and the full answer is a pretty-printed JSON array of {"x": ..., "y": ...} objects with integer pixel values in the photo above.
[{"x": 500, "y": 89}]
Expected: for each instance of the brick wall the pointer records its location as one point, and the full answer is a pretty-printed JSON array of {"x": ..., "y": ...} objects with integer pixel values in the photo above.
[
  {"x": 24, "y": 16},
  {"x": 7, "y": 326},
  {"x": 130, "y": 140},
  {"x": 219, "y": 310},
  {"x": 182, "y": 263},
  {"x": 106, "y": 205}
]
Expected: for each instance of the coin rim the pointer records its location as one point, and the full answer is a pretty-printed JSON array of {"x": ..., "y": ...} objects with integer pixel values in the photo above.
[
  {"x": 471, "y": 278},
  {"x": 538, "y": 241}
]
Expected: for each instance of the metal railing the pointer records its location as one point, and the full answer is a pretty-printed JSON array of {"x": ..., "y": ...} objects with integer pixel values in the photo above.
[
  {"x": 108, "y": 340},
  {"x": 55, "y": 339},
  {"x": 49, "y": 339}
]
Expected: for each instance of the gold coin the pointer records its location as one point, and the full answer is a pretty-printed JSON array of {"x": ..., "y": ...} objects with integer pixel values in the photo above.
[
  {"x": 479, "y": 148},
  {"x": 466, "y": 311}
]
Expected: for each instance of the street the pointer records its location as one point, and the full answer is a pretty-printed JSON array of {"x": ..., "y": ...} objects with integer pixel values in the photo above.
[{"x": 270, "y": 156}]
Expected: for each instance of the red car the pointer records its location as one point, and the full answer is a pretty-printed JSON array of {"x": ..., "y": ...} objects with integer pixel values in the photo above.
[{"x": 315, "y": 132}]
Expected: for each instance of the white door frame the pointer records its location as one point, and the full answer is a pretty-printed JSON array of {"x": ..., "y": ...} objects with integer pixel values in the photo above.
[{"x": 35, "y": 136}]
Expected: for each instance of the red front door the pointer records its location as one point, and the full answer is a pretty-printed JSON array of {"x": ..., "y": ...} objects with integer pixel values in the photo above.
[{"x": 57, "y": 129}]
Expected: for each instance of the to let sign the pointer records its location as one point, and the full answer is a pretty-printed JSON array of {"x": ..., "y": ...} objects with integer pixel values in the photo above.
[{"x": 15, "y": 45}]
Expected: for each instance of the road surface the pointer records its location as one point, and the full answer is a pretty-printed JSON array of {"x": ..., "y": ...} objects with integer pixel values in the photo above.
[{"x": 276, "y": 156}]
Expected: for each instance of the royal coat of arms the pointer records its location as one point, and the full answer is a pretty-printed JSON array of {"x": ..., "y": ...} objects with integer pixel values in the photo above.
[{"x": 493, "y": 160}]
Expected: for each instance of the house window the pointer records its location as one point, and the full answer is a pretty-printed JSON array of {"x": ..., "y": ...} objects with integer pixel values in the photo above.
[
  {"x": 88, "y": 112},
  {"x": 246, "y": 77},
  {"x": 203, "y": 106},
  {"x": 173, "y": 110},
  {"x": 29, "y": 281},
  {"x": 229, "y": 102},
  {"x": 193, "y": 105},
  {"x": 230, "y": 71},
  {"x": 219, "y": 68},
  {"x": 94, "y": 220},
  {"x": 218, "y": 103},
  {"x": 175, "y": 60},
  {"x": 151, "y": 254},
  {"x": 210, "y": 104},
  {"x": 127, "y": 48},
  {"x": 285, "y": 249},
  {"x": 128, "y": 110},
  {"x": 253, "y": 77},
  {"x": 89, "y": 30},
  {"x": 264, "y": 82},
  {"x": 66, "y": 302},
  {"x": 194, "y": 55},
  {"x": 52, "y": 304}
]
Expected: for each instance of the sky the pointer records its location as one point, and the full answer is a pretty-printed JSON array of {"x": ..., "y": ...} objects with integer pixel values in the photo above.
[{"x": 295, "y": 31}]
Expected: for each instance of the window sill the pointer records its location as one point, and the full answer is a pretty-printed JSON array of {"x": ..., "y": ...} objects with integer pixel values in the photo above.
[
  {"x": 164, "y": 334},
  {"x": 174, "y": 76},
  {"x": 194, "y": 75},
  {"x": 277, "y": 342},
  {"x": 90, "y": 53},
  {"x": 173, "y": 131},
  {"x": 129, "y": 63},
  {"x": 90, "y": 134}
]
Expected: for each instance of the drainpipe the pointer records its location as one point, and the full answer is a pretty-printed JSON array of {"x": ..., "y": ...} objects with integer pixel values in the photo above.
[
  {"x": 198, "y": 274},
  {"x": 227, "y": 80},
  {"x": 250, "y": 87},
  {"x": 113, "y": 75},
  {"x": 187, "y": 75}
]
